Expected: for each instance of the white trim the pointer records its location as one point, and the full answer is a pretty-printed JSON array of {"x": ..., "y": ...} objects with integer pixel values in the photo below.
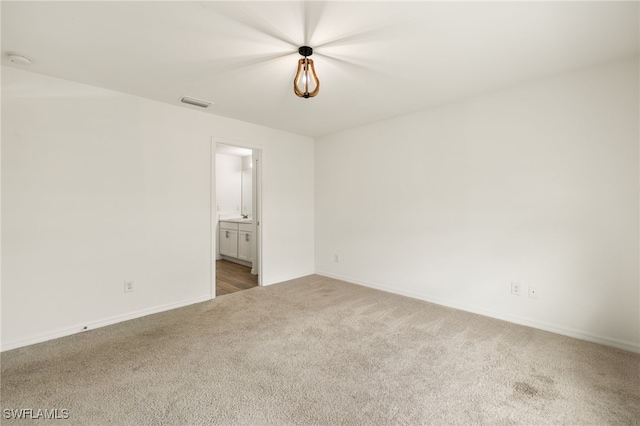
[
  {"x": 213, "y": 213},
  {"x": 68, "y": 331},
  {"x": 257, "y": 214},
  {"x": 257, "y": 205},
  {"x": 607, "y": 341}
]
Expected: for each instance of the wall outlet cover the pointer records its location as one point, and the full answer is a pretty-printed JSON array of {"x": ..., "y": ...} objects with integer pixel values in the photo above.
[{"x": 516, "y": 288}]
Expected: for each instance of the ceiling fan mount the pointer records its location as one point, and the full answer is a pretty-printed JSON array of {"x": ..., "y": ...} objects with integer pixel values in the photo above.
[{"x": 305, "y": 51}]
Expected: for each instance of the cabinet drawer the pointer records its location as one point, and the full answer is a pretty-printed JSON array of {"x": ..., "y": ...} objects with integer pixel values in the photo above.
[
  {"x": 228, "y": 225},
  {"x": 246, "y": 227}
]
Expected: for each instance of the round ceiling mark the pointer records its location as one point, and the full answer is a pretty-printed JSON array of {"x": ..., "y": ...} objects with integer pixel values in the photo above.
[{"x": 18, "y": 59}]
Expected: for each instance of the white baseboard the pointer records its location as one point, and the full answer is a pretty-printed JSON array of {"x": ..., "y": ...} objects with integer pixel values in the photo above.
[
  {"x": 616, "y": 343},
  {"x": 67, "y": 331},
  {"x": 236, "y": 260}
]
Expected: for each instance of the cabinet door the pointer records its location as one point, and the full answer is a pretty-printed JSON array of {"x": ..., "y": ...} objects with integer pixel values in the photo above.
[
  {"x": 229, "y": 242},
  {"x": 244, "y": 245}
]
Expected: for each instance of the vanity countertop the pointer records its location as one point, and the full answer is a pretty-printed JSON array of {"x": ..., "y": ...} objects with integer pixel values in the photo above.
[{"x": 237, "y": 220}]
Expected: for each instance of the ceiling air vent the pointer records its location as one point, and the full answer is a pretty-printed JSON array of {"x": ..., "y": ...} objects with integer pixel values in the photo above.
[{"x": 196, "y": 102}]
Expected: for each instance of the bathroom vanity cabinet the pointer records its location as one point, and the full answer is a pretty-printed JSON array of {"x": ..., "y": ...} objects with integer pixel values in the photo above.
[{"x": 236, "y": 240}]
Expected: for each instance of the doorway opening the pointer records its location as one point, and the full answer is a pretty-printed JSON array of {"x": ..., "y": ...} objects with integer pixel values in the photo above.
[{"x": 235, "y": 217}]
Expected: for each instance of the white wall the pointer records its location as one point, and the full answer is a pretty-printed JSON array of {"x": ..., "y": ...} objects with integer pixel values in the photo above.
[
  {"x": 228, "y": 185},
  {"x": 99, "y": 187},
  {"x": 538, "y": 184}
]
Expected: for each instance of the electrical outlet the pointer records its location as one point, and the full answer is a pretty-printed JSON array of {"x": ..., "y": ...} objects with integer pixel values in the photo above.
[
  {"x": 533, "y": 292},
  {"x": 516, "y": 288},
  {"x": 336, "y": 259},
  {"x": 128, "y": 286}
]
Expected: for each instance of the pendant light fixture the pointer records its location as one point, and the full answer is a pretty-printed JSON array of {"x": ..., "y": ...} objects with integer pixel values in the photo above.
[{"x": 306, "y": 84}]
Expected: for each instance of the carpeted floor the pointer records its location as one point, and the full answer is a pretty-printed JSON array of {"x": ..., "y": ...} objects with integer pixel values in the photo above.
[{"x": 323, "y": 352}]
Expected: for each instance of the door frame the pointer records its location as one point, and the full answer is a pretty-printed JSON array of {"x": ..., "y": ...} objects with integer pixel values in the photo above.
[{"x": 257, "y": 205}]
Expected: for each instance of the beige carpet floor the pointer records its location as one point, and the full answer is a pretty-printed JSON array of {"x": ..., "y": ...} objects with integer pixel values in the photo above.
[{"x": 317, "y": 351}]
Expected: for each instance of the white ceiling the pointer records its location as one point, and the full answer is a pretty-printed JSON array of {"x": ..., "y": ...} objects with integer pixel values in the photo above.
[{"x": 375, "y": 60}]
